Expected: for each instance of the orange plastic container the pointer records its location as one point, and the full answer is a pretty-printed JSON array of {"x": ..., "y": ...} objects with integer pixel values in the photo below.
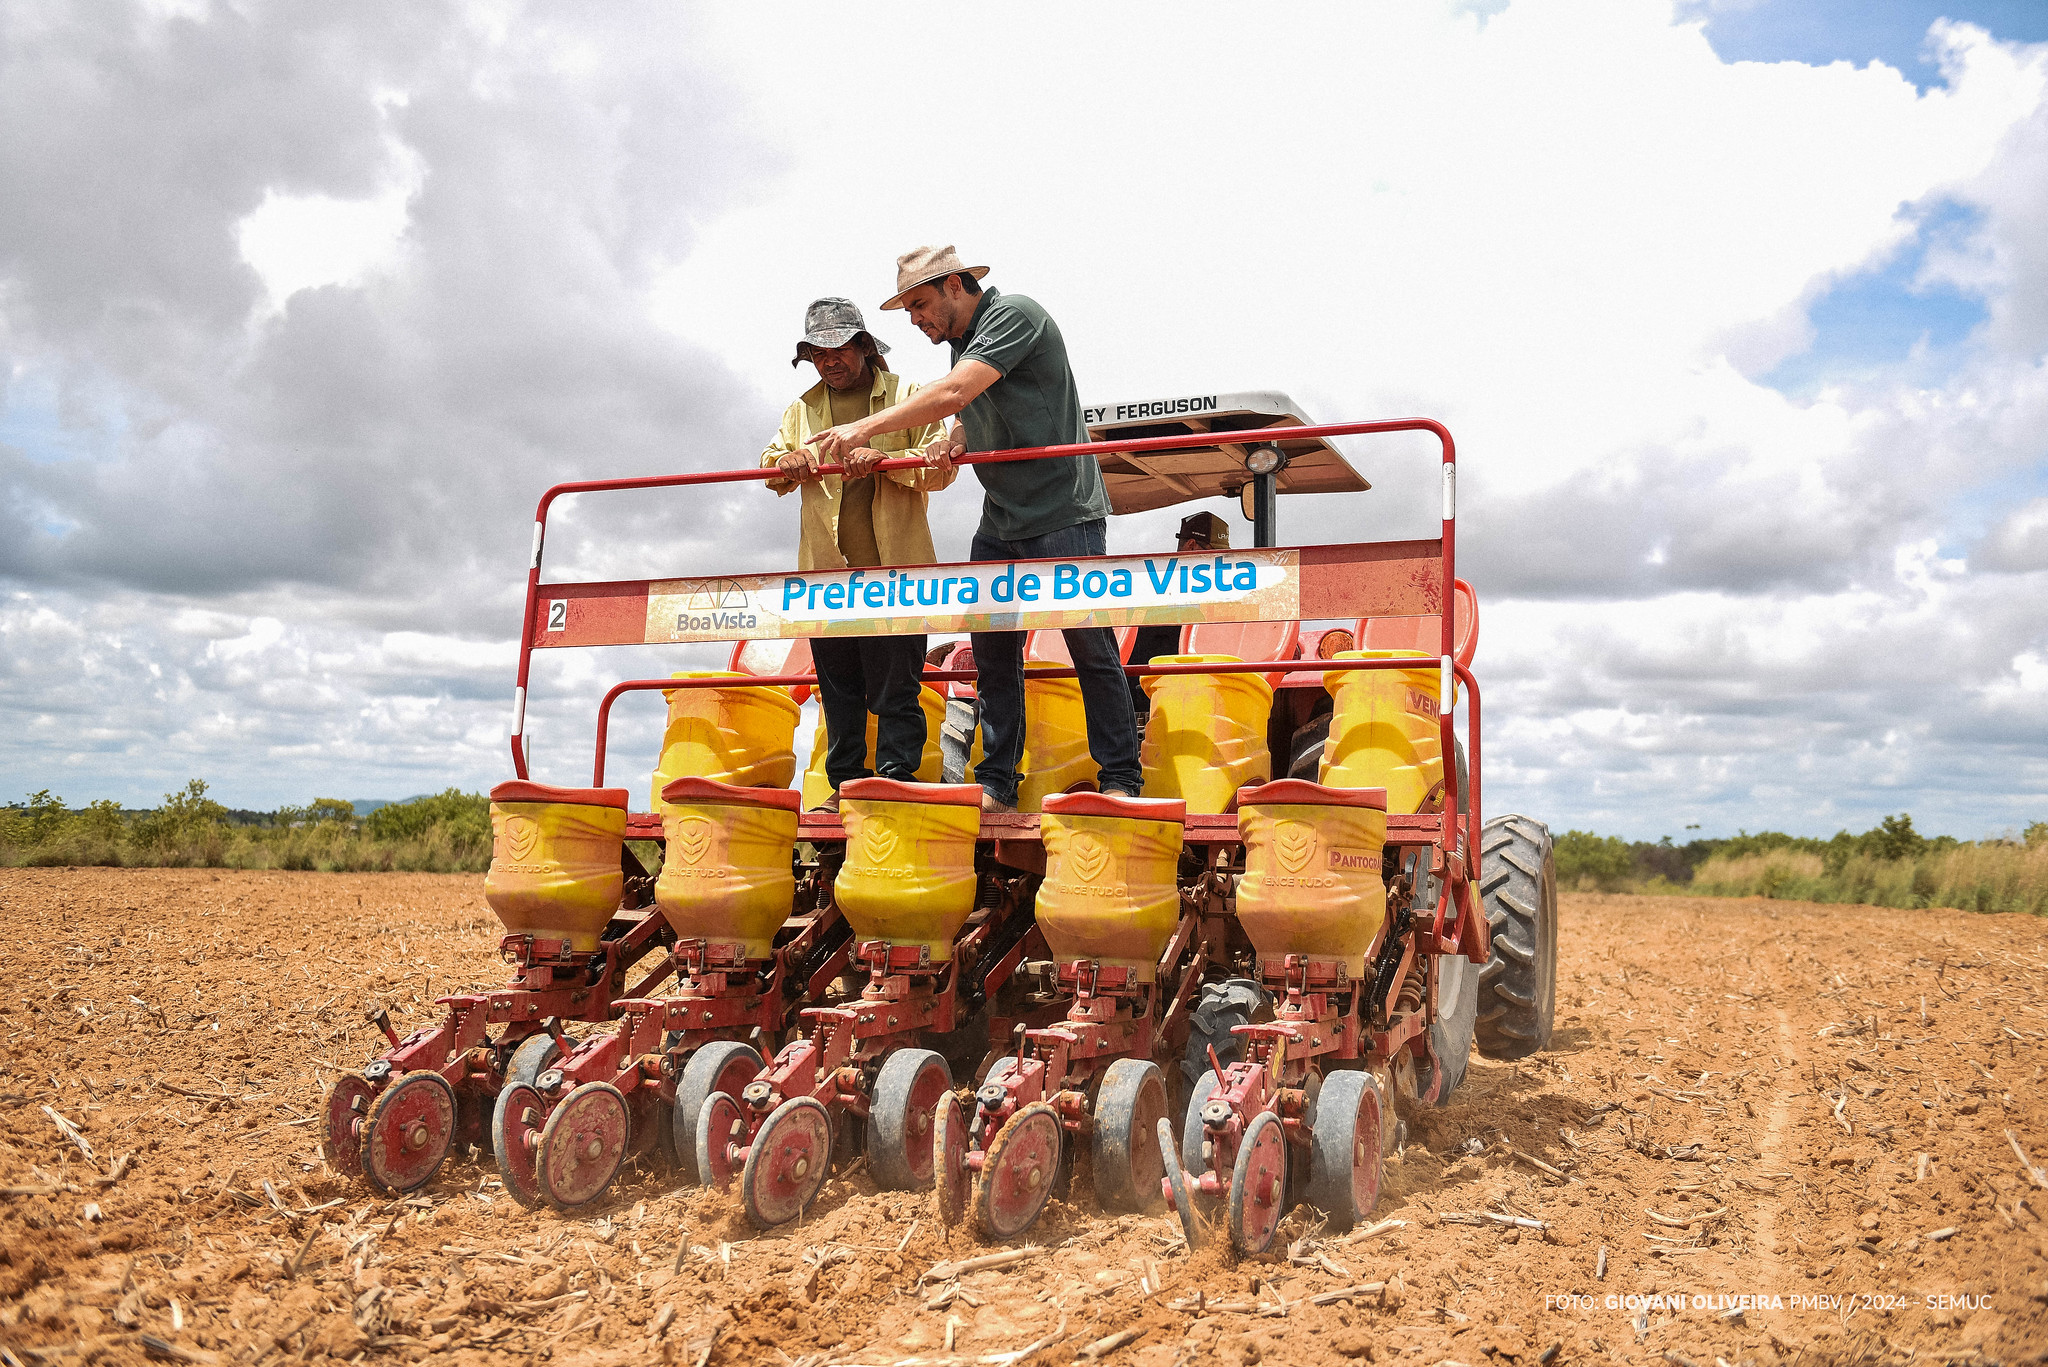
[
  {"x": 1384, "y": 731},
  {"x": 727, "y": 878},
  {"x": 1110, "y": 892},
  {"x": 555, "y": 869},
  {"x": 743, "y": 736},
  {"x": 1207, "y": 734},
  {"x": 909, "y": 872},
  {"x": 1312, "y": 882}
]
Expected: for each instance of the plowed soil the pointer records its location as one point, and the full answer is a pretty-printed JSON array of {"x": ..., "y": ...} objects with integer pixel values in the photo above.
[{"x": 1798, "y": 1113}]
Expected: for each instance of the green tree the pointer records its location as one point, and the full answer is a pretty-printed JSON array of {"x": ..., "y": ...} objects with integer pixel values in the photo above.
[
  {"x": 1893, "y": 838},
  {"x": 101, "y": 820},
  {"x": 460, "y": 815},
  {"x": 185, "y": 819},
  {"x": 45, "y": 817},
  {"x": 1606, "y": 861}
]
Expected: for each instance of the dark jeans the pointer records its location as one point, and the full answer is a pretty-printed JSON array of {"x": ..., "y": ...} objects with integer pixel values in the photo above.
[
  {"x": 879, "y": 674},
  {"x": 999, "y": 668},
  {"x": 1149, "y": 644}
]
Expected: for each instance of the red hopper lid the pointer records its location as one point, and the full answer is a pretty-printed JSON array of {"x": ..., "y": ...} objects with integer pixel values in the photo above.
[
  {"x": 731, "y": 794},
  {"x": 521, "y": 791},
  {"x": 1301, "y": 793}
]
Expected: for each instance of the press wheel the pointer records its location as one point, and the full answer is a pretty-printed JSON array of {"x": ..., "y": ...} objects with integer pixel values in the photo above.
[
  {"x": 787, "y": 1163},
  {"x": 1176, "y": 1188},
  {"x": 1128, "y": 1108},
  {"x": 582, "y": 1145},
  {"x": 950, "y": 1175},
  {"x": 1258, "y": 1185},
  {"x": 721, "y": 1131},
  {"x": 1344, "y": 1149},
  {"x": 721, "y": 1066},
  {"x": 1194, "y": 1143},
  {"x": 341, "y": 1123},
  {"x": 516, "y": 1124},
  {"x": 407, "y": 1132},
  {"x": 905, "y": 1099},
  {"x": 532, "y": 1056},
  {"x": 1018, "y": 1173}
]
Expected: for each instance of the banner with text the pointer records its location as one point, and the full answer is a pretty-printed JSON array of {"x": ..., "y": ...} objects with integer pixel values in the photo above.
[{"x": 1236, "y": 586}]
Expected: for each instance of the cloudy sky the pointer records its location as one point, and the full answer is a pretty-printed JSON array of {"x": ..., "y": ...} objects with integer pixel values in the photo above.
[{"x": 1738, "y": 308}]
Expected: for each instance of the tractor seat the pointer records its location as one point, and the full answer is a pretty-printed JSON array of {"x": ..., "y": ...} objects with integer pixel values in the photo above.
[
  {"x": 1423, "y": 633},
  {"x": 784, "y": 656},
  {"x": 1048, "y": 645}
]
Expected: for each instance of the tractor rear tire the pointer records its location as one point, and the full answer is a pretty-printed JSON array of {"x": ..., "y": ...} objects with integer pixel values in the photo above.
[
  {"x": 1305, "y": 750},
  {"x": 1518, "y": 896},
  {"x": 1218, "y": 1007}
]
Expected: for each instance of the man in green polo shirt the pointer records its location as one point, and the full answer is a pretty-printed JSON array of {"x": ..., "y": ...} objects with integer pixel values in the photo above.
[{"x": 1012, "y": 387}]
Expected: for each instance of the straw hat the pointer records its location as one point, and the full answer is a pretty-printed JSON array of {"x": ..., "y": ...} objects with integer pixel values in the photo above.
[{"x": 922, "y": 265}]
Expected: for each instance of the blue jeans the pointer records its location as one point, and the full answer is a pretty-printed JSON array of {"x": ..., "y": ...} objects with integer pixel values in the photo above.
[{"x": 1105, "y": 690}]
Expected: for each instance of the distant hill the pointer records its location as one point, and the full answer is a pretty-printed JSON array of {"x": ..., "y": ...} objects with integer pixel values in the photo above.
[
  {"x": 237, "y": 816},
  {"x": 365, "y": 805}
]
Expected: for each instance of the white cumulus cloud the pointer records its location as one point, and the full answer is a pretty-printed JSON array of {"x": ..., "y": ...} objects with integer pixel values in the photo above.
[{"x": 303, "y": 309}]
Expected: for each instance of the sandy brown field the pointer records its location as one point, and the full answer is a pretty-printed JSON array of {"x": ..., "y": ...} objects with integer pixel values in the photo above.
[{"x": 1807, "y": 1106}]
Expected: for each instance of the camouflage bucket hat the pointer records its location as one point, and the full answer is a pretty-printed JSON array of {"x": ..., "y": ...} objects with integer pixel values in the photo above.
[{"x": 834, "y": 323}]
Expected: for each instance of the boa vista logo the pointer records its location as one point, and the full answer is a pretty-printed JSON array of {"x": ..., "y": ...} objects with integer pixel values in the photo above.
[
  {"x": 1295, "y": 843},
  {"x": 692, "y": 838},
  {"x": 522, "y": 836},
  {"x": 877, "y": 839},
  {"x": 1087, "y": 857}
]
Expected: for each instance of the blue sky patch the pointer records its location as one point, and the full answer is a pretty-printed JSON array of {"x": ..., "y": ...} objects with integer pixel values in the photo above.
[
  {"x": 32, "y": 421},
  {"x": 1975, "y": 512},
  {"x": 1860, "y": 31},
  {"x": 1883, "y": 321}
]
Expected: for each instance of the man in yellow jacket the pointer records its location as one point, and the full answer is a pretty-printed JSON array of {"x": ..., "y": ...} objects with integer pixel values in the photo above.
[{"x": 863, "y": 518}]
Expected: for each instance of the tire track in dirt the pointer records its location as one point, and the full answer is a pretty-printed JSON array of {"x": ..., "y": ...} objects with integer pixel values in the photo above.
[
  {"x": 1774, "y": 1148},
  {"x": 189, "y": 1020}
]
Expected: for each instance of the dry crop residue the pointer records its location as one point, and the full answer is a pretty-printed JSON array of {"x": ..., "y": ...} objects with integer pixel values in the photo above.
[{"x": 1805, "y": 1105}]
